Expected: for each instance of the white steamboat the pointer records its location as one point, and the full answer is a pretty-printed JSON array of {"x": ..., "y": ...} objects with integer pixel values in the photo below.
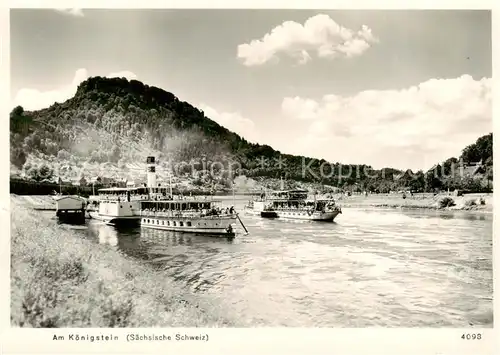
[
  {"x": 117, "y": 205},
  {"x": 293, "y": 204},
  {"x": 156, "y": 207},
  {"x": 196, "y": 215}
]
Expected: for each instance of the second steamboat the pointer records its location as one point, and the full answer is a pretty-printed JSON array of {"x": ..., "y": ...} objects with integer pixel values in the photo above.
[{"x": 293, "y": 204}]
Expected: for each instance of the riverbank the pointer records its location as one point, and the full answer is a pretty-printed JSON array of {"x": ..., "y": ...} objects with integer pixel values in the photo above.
[
  {"x": 59, "y": 279},
  {"x": 482, "y": 203}
]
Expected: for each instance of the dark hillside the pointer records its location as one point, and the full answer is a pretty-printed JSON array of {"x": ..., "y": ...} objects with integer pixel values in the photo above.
[{"x": 111, "y": 125}]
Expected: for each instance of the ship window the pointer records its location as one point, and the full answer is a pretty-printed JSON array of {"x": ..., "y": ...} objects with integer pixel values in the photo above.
[
  {"x": 174, "y": 223},
  {"x": 162, "y": 223},
  {"x": 144, "y": 220},
  {"x": 121, "y": 206},
  {"x": 130, "y": 206},
  {"x": 181, "y": 224},
  {"x": 168, "y": 223},
  {"x": 157, "y": 222},
  {"x": 188, "y": 224}
]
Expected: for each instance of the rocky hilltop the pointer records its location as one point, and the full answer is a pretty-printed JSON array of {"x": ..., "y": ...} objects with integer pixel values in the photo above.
[{"x": 111, "y": 124}]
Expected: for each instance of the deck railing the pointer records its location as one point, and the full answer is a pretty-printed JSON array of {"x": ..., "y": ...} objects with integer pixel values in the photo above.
[{"x": 186, "y": 214}]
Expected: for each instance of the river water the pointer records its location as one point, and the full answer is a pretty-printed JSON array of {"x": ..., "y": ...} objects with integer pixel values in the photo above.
[{"x": 372, "y": 267}]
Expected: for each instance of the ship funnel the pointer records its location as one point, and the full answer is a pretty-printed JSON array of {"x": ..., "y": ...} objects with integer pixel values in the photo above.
[{"x": 151, "y": 168}]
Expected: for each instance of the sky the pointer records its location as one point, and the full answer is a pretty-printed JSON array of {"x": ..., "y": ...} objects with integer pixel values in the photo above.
[{"x": 387, "y": 88}]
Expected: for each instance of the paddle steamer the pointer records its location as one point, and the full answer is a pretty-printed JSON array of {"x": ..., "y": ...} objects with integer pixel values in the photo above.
[
  {"x": 156, "y": 207},
  {"x": 293, "y": 204},
  {"x": 118, "y": 205},
  {"x": 188, "y": 215}
]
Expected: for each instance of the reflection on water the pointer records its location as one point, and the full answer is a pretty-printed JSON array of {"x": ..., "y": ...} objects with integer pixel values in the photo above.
[
  {"x": 388, "y": 268},
  {"x": 104, "y": 233}
]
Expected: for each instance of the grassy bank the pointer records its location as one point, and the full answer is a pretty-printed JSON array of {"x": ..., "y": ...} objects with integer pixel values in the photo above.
[
  {"x": 61, "y": 280},
  {"x": 472, "y": 202}
]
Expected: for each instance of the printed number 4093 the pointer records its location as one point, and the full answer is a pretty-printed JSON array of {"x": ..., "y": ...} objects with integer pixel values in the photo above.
[{"x": 472, "y": 336}]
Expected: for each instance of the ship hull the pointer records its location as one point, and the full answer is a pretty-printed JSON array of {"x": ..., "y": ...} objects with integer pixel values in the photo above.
[
  {"x": 251, "y": 211},
  {"x": 222, "y": 226},
  {"x": 303, "y": 215},
  {"x": 116, "y": 220},
  {"x": 328, "y": 216}
]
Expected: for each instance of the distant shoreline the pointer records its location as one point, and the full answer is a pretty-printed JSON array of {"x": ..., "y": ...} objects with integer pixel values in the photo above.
[
  {"x": 30, "y": 187},
  {"x": 468, "y": 203},
  {"x": 382, "y": 201}
]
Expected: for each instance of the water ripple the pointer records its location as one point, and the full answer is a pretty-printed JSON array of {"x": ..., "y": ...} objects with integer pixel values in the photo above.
[{"x": 371, "y": 268}]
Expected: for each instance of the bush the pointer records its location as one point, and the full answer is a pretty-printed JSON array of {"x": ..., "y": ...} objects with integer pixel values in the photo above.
[
  {"x": 446, "y": 202},
  {"x": 470, "y": 203}
]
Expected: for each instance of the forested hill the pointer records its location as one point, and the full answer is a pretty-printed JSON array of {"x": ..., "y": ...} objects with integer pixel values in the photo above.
[{"x": 112, "y": 124}]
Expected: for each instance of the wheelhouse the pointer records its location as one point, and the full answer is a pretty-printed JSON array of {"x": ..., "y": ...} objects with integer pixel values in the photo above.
[{"x": 291, "y": 194}]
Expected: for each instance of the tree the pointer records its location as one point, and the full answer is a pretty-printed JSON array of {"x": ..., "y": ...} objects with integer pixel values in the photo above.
[
  {"x": 17, "y": 156},
  {"x": 418, "y": 182},
  {"x": 82, "y": 180},
  {"x": 63, "y": 155},
  {"x": 19, "y": 121},
  {"x": 115, "y": 154},
  {"x": 450, "y": 166},
  {"x": 39, "y": 173},
  {"x": 482, "y": 149},
  {"x": 432, "y": 181}
]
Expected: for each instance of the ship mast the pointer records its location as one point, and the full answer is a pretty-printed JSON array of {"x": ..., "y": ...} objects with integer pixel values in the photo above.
[
  {"x": 233, "y": 193},
  {"x": 170, "y": 183}
]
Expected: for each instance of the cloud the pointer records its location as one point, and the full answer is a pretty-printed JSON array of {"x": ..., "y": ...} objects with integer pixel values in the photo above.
[
  {"x": 72, "y": 12},
  {"x": 33, "y": 99},
  {"x": 414, "y": 127},
  {"x": 319, "y": 34},
  {"x": 233, "y": 121},
  {"x": 123, "y": 74},
  {"x": 302, "y": 109}
]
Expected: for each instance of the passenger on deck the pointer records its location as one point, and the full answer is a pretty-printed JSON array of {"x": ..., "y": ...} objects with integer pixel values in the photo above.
[{"x": 231, "y": 210}]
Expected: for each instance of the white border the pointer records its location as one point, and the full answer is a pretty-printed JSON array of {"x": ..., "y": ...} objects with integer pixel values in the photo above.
[
  {"x": 248, "y": 341},
  {"x": 257, "y": 341},
  {"x": 258, "y": 4}
]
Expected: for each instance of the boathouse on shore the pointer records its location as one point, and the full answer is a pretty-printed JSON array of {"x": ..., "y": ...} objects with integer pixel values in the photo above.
[{"x": 70, "y": 208}]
